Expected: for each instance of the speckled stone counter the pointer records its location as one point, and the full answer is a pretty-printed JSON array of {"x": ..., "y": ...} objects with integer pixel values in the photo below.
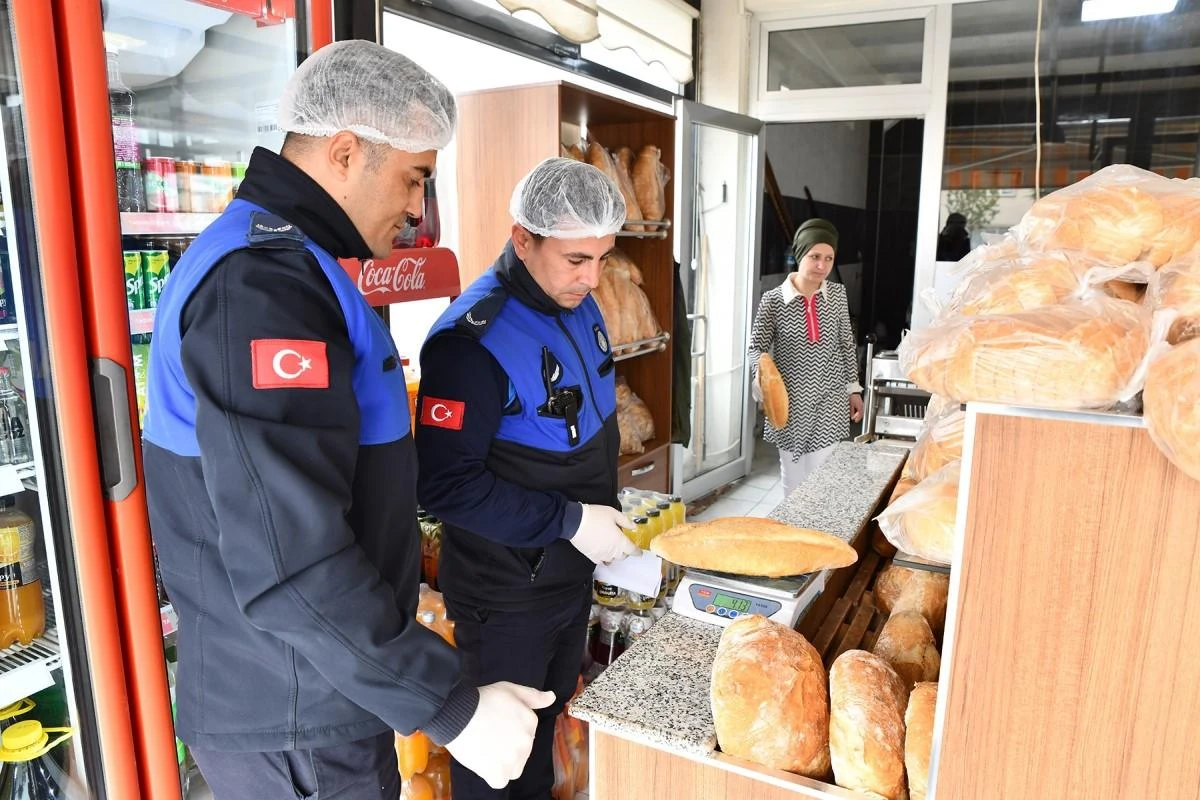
[{"x": 657, "y": 692}]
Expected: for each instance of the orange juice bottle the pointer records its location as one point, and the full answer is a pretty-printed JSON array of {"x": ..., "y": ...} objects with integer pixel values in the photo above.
[{"x": 22, "y": 609}]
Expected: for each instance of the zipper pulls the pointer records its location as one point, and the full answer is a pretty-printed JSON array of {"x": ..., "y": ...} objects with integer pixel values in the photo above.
[{"x": 537, "y": 567}]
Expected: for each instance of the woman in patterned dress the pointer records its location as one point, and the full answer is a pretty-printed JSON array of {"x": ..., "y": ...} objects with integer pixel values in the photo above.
[{"x": 805, "y": 324}]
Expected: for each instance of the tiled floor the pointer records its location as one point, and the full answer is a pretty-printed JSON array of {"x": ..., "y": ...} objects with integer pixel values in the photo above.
[{"x": 756, "y": 495}]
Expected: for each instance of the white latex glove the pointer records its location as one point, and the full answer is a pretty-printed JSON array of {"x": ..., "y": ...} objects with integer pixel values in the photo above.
[
  {"x": 497, "y": 741},
  {"x": 756, "y": 389},
  {"x": 600, "y": 536}
]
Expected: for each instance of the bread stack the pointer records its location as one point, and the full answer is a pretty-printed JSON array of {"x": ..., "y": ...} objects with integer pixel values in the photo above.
[
  {"x": 624, "y": 306},
  {"x": 634, "y": 420},
  {"x": 1172, "y": 405},
  {"x": 773, "y": 704},
  {"x": 639, "y": 172}
]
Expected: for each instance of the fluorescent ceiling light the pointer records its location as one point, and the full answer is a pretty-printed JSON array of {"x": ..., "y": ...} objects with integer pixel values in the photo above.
[{"x": 1097, "y": 10}]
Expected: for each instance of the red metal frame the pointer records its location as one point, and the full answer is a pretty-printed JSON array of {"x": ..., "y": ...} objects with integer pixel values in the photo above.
[
  {"x": 320, "y": 23},
  {"x": 37, "y": 46},
  {"x": 94, "y": 195}
]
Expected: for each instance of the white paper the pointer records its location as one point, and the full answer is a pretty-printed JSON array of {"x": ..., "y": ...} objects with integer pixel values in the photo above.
[
  {"x": 10, "y": 481},
  {"x": 641, "y": 574}
]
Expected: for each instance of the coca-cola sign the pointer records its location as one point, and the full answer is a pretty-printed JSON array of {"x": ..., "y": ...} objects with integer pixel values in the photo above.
[{"x": 406, "y": 275}]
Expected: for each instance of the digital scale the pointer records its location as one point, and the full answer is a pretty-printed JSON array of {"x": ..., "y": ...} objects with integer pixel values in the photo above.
[{"x": 719, "y": 598}]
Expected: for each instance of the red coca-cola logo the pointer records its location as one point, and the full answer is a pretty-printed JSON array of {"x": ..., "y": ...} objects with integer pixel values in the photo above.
[{"x": 406, "y": 275}]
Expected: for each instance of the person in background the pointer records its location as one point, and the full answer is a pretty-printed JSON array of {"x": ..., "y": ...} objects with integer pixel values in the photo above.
[
  {"x": 805, "y": 324},
  {"x": 954, "y": 242},
  {"x": 280, "y": 467},
  {"x": 517, "y": 443}
]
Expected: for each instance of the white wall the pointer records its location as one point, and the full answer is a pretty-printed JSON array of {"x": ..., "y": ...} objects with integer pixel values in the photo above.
[{"x": 830, "y": 158}]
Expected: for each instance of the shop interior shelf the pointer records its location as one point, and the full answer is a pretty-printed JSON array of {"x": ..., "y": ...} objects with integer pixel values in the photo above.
[
  {"x": 651, "y": 447},
  {"x": 916, "y": 562},
  {"x": 642, "y": 347},
  {"x": 26, "y": 669},
  {"x": 9, "y": 332},
  {"x": 152, "y": 224},
  {"x": 15, "y": 478},
  {"x": 141, "y": 321},
  {"x": 170, "y": 622}
]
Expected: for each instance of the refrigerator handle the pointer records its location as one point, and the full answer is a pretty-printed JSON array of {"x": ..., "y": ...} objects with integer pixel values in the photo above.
[{"x": 118, "y": 463}]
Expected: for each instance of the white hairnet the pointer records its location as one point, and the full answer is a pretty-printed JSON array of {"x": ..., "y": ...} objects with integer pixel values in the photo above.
[
  {"x": 567, "y": 199},
  {"x": 367, "y": 89}
]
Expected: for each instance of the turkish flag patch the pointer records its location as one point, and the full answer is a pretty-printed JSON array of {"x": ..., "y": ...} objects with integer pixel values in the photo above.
[
  {"x": 289, "y": 364},
  {"x": 438, "y": 413}
]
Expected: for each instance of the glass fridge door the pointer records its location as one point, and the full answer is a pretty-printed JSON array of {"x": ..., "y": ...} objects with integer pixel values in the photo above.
[{"x": 193, "y": 88}]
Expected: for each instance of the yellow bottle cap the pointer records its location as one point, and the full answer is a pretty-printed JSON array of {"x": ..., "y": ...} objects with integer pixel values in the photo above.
[{"x": 17, "y": 709}]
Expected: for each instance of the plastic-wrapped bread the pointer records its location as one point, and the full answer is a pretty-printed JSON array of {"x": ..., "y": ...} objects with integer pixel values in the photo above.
[
  {"x": 605, "y": 296},
  {"x": 939, "y": 443},
  {"x": 1113, "y": 217},
  {"x": 774, "y": 391},
  {"x": 1177, "y": 287},
  {"x": 635, "y": 410},
  {"x": 1013, "y": 285},
  {"x": 866, "y": 725},
  {"x": 1181, "y": 223},
  {"x": 601, "y": 159},
  {"x": 633, "y": 211},
  {"x": 899, "y": 589},
  {"x": 908, "y": 645},
  {"x": 921, "y": 522},
  {"x": 1081, "y": 354},
  {"x": 650, "y": 181},
  {"x": 918, "y": 738},
  {"x": 903, "y": 487},
  {"x": 770, "y": 697},
  {"x": 752, "y": 546},
  {"x": 1171, "y": 405},
  {"x": 631, "y": 443}
]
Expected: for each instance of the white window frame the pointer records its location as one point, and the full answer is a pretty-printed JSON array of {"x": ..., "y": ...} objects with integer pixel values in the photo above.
[{"x": 926, "y": 101}]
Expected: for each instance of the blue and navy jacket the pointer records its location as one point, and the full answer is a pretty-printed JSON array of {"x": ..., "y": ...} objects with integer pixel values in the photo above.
[
  {"x": 280, "y": 476},
  {"x": 532, "y": 435}
]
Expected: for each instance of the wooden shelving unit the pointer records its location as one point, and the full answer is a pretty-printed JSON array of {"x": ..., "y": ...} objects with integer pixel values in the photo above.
[{"x": 504, "y": 133}]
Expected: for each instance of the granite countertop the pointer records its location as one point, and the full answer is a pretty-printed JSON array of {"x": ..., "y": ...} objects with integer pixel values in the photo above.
[{"x": 658, "y": 691}]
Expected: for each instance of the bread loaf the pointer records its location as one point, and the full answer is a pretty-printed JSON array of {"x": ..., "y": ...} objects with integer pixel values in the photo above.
[
  {"x": 866, "y": 725},
  {"x": 922, "y": 522},
  {"x": 918, "y": 738},
  {"x": 649, "y": 181},
  {"x": 1181, "y": 226},
  {"x": 1122, "y": 290},
  {"x": 1177, "y": 287},
  {"x": 752, "y": 546},
  {"x": 899, "y": 589},
  {"x": 601, "y": 159},
  {"x": 903, "y": 487},
  {"x": 633, "y": 211},
  {"x": 575, "y": 152},
  {"x": 1012, "y": 286},
  {"x": 1112, "y": 224},
  {"x": 880, "y": 544},
  {"x": 627, "y": 313},
  {"x": 1080, "y": 354},
  {"x": 906, "y": 643},
  {"x": 775, "y": 396},
  {"x": 939, "y": 443},
  {"x": 631, "y": 443},
  {"x": 1171, "y": 405},
  {"x": 770, "y": 700}
]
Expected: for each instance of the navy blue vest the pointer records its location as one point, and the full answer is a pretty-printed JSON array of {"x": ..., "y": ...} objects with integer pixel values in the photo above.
[
  {"x": 519, "y": 338},
  {"x": 171, "y": 404}
]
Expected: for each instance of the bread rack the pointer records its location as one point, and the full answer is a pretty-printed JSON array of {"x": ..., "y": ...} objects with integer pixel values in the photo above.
[
  {"x": 641, "y": 347},
  {"x": 660, "y": 229},
  {"x": 895, "y": 407}
]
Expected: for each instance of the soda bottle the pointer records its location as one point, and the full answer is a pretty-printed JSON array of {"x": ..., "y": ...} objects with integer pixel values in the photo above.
[
  {"x": 14, "y": 425},
  {"x": 22, "y": 609},
  {"x": 8, "y": 303},
  {"x": 131, "y": 192},
  {"x": 29, "y": 774},
  {"x": 429, "y": 230}
]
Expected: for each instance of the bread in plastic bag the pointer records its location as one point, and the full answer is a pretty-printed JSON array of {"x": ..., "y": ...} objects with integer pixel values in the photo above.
[
  {"x": 1118, "y": 215},
  {"x": 1012, "y": 285},
  {"x": 939, "y": 443},
  {"x": 1177, "y": 287},
  {"x": 921, "y": 523},
  {"x": 1080, "y": 354},
  {"x": 1171, "y": 405}
]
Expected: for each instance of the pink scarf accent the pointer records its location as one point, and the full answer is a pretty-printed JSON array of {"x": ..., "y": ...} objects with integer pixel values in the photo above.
[{"x": 810, "y": 318}]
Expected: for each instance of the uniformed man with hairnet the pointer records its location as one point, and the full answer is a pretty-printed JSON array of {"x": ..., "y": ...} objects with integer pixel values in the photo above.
[
  {"x": 281, "y": 472},
  {"x": 518, "y": 442}
]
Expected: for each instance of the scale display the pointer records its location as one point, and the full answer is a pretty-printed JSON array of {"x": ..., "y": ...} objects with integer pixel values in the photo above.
[{"x": 729, "y": 604}]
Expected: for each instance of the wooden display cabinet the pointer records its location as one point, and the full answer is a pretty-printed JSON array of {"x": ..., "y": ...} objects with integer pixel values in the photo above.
[{"x": 504, "y": 133}]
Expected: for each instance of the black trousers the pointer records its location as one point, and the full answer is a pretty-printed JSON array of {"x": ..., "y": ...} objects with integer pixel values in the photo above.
[
  {"x": 363, "y": 770},
  {"x": 542, "y": 649}
]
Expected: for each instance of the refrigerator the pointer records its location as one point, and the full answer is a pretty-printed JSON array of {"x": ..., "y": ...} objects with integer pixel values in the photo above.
[{"x": 126, "y": 125}]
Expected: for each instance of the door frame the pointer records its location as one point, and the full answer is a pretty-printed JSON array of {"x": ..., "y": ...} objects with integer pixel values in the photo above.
[
  {"x": 690, "y": 114},
  {"x": 926, "y": 101}
]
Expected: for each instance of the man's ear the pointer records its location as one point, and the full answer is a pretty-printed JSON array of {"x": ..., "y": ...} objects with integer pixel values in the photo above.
[{"x": 522, "y": 241}]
